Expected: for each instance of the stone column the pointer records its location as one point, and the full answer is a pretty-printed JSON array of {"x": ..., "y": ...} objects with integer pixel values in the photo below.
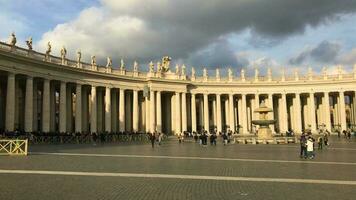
[
  {"x": 218, "y": 113},
  {"x": 194, "y": 113},
  {"x": 108, "y": 109},
  {"x": 122, "y": 110},
  {"x": 243, "y": 114},
  {"x": 46, "y": 106},
  {"x": 159, "y": 111},
  {"x": 114, "y": 111},
  {"x": 29, "y": 105},
  {"x": 327, "y": 111},
  {"x": 63, "y": 107},
  {"x": 93, "y": 114},
  {"x": 10, "y": 103},
  {"x": 184, "y": 112},
  {"x": 78, "y": 108},
  {"x": 135, "y": 111},
  {"x": 284, "y": 123},
  {"x": 178, "y": 114},
  {"x": 298, "y": 114},
  {"x": 312, "y": 112},
  {"x": 147, "y": 114},
  {"x": 206, "y": 113},
  {"x": 227, "y": 113},
  {"x": 152, "y": 111},
  {"x": 342, "y": 111},
  {"x": 256, "y": 105},
  {"x": 271, "y": 114},
  {"x": 231, "y": 113}
]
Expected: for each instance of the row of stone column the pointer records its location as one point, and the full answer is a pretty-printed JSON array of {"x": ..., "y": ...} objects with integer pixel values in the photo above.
[{"x": 153, "y": 112}]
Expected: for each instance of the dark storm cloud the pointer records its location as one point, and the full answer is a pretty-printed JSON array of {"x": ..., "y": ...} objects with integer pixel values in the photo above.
[
  {"x": 219, "y": 54},
  {"x": 323, "y": 53},
  {"x": 183, "y": 28}
]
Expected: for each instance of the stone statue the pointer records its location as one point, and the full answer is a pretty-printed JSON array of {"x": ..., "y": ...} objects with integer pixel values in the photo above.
[
  {"x": 324, "y": 71},
  {"x": 93, "y": 61},
  {"x": 108, "y": 62},
  {"x": 205, "y": 73},
  {"x": 159, "y": 67},
  {"x": 63, "y": 53},
  {"x": 256, "y": 73},
  {"x": 152, "y": 67},
  {"x": 29, "y": 43},
  {"x": 242, "y": 74},
  {"x": 48, "y": 51},
  {"x": 217, "y": 71},
  {"x": 183, "y": 70},
  {"x": 177, "y": 69},
  {"x": 79, "y": 57},
  {"x": 49, "y": 48},
  {"x": 13, "y": 39},
  {"x": 165, "y": 63},
  {"x": 230, "y": 73},
  {"x": 193, "y": 72},
  {"x": 135, "y": 67},
  {"x": 122, "y": 65}
]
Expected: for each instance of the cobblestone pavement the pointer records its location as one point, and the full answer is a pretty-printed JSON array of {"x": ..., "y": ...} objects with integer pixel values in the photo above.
[{"x": 180, "y": 171}]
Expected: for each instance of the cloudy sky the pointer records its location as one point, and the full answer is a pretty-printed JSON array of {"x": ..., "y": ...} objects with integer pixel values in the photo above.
[{"x": 201, "y": 33}]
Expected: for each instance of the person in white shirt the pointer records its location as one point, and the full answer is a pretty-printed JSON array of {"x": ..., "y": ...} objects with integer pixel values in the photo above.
[{"x": 310, "y": 148}]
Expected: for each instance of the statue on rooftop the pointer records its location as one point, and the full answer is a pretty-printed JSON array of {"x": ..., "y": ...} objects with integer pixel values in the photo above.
[
  {"x": 193, "y": 72},
  {"x": 165, "y": 63},
  {"x": 217, "y": 71},
  {"x": 256, "y": 73},
  {"x": 93, "y": 61},
  {"x": 177, "y": 69},
  {"x": 29, "y": 43},
  {"x": 205, "y": 73},
  {"x": 183, "y": 70},
  {"x": 79, "y": 57},
  {"x": 122, "y": 65},
  {"x": 63, "y": 55},
  {"x": 49, "y": 48},
  {"x": 242, "y": 74},
  {"x": 13, "y": 39},
  {"x": 108, "y": 62},
  {"x": 135, "y": 67},
  {"x": 159, "y": 67},
  {"x": 230, "y": 73},
  {"x": 152, "y": 67}
]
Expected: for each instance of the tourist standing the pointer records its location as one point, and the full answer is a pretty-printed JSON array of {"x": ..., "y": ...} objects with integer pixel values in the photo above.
[
  {"x": 303, "y": 146},
  {"x": 310, "y": 148},
  {"x": 225, "y": 138},
  {"x": 152, "y": 139},
  {"x": 320, "y": 142}
]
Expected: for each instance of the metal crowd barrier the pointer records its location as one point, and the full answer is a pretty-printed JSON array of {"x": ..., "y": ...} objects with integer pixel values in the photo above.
[{"x": 13, "y": 147}]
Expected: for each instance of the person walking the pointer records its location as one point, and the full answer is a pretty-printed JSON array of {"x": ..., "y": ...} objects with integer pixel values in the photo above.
[
  {"x": 326, "y": 139},
  {"x": 160, "y": 135}
]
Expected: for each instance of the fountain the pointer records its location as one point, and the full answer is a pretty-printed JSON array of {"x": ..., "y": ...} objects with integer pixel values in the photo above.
[{"x": 264, "y": 132}]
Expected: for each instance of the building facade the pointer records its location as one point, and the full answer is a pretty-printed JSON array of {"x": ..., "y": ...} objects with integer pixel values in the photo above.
[{"x": 41, "y": 92}]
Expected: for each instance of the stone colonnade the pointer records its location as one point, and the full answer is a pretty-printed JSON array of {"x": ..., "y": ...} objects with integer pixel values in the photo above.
[{"x": 42, "y": 104}]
